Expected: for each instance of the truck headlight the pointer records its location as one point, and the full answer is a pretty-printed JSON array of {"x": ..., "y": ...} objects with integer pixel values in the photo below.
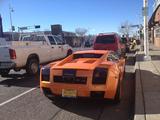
[
  {"x": 45, "y": 73},
  {"x": 99, "y": 76}
]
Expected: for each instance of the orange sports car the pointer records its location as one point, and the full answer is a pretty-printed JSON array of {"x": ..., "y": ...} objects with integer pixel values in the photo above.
[{"x": 90, "y": 73}]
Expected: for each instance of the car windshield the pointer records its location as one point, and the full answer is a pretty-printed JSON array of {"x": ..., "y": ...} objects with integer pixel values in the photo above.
[
  {"x": 106, "y": 39},
  {"x": 87, "y": 55}
]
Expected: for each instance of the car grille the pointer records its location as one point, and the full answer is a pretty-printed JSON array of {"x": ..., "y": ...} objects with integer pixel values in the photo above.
[{"x": 68, "y": 79}]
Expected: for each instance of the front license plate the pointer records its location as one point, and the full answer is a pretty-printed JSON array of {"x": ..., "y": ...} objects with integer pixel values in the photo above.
[{"x": 71, "y": 93}]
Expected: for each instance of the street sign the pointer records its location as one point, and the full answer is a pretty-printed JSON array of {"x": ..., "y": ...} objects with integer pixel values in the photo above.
[
  {"x": 13, "y": 28},
  {"x": 145, "y": 11},
  {"x": 135, "y": 26},
  {"x": 23, "y": 28},
  {"x": 37, "y": 26}
]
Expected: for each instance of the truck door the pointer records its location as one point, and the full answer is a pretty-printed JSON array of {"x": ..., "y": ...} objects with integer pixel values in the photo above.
[
  {"x": 54, "y": 50},
  {"x": 44, "y": 49},
  {"x": 61, "y": 47}
]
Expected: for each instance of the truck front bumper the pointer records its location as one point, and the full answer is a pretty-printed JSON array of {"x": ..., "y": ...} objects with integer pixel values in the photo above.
[{"x": 7, "y": 65}]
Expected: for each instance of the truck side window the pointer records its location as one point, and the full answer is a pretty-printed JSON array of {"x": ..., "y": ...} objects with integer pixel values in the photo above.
[
  {"x": 51, "y": 40},
  {"x": 40, "y": 38},
  {"x": 59, "y": 40},
  {"x": 27, "y": 38}
]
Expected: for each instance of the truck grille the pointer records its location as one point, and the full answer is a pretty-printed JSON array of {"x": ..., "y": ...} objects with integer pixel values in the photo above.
[{"x": 68, "y": 79}]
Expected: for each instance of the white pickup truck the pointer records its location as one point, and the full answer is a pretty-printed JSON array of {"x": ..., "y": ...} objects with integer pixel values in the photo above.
[{"x": 30, "y": 51}]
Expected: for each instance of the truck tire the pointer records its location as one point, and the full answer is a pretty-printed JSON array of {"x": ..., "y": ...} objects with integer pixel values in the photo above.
[
  {"x": 32, "y": 66},
  {"x": 69, "y": 52},
  {"x": 4, "y": 72}
]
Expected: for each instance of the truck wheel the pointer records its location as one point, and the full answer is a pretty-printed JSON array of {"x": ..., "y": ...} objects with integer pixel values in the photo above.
[
  {"x": 69, "y": 52},
  {"x": 4, "y": 72},
  {"x": 118, "y": 93},
  {"x": 32, "y": 66}
]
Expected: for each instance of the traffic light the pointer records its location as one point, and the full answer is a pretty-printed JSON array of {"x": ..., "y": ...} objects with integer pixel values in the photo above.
[
  {"x": 37, "y": 26},
  {"x": 13, "y": 28}
]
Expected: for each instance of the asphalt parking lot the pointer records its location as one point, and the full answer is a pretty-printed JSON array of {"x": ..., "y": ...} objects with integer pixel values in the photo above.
[{"x": 21, "y": 99}]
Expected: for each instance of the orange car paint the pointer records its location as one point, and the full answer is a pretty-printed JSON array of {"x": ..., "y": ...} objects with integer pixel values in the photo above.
[{"x": 86, "y": 69}]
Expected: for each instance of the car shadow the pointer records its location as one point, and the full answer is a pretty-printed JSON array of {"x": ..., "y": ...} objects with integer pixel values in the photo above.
[
  {"x": 84, "y": 107},
  {"x": 99, "y": 108},
  {"x": 20, "y": 80}
]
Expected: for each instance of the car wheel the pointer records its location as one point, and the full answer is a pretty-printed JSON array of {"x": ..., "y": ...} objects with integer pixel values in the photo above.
[
  {"x": 118, "y": 93},
  {"x": 48, "y": 93},
  {"x": 32, "y": 66}
]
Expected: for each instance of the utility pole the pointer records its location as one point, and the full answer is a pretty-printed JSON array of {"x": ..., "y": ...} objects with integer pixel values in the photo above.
[
  {"x": 145, "y": 28},
  {"x": 10, "y": 14}
]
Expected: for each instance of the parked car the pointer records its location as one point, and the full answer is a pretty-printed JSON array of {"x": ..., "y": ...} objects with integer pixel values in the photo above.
[
  {"x": 87, "y": 44},
  {"x": 32, "y": 50},
  {"x": 90, "y": 73},
  {"x": 125, "y": 42},
  {"x": 109, "y": 41}
]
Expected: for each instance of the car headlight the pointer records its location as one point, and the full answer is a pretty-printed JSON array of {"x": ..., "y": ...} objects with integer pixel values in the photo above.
[
  {"x": 99, "y": 76},
  {"x": 45, "y": 73}
]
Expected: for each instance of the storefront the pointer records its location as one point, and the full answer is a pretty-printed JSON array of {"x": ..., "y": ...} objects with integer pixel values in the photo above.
[{"x": 154, "y": 27}]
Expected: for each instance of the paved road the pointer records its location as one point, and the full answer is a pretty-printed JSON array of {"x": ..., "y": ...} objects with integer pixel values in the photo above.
[{"x": 21, "y": 99}]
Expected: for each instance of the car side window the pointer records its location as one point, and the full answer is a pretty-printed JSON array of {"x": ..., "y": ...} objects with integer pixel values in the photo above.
[
  {"x": 112, "y": 57},
  {"x": 51, "y": 40}
]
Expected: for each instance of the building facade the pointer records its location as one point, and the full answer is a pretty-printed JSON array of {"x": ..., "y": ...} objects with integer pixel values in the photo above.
[{"x": 154, "y": 24}]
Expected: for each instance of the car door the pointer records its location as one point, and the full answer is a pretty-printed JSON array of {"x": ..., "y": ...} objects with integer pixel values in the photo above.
[{"x": 54, "y": 48}]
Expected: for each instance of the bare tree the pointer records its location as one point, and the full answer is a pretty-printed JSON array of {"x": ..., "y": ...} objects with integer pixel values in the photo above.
[
  {"x": 125, "y": 28},
  {"x": 81, "y": 31}
]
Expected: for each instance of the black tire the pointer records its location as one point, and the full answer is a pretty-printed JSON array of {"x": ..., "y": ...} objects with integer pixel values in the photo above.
[
  {"x": 32, "y": 66},
  {"x": 117, "y": 98},
  {"x": 48, "y": 94},
  {"x": 4, "y": 72},
  {"x": 69, "y": 52}
]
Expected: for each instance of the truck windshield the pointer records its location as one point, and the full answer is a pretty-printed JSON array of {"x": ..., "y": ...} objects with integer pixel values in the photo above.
[{"x": 106, "y": 39}]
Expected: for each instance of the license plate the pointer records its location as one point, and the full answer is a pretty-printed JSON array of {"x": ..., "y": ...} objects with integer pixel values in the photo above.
[{"x": 71, "y": 93}]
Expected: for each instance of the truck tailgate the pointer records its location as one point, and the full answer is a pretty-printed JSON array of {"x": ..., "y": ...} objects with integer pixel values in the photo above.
[{"x": 4, "y": 54}]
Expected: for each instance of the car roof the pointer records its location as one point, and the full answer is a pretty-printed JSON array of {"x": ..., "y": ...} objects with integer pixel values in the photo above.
[
  {"x": 93, "y": 51},
  {"x": 109, "y": 33}
]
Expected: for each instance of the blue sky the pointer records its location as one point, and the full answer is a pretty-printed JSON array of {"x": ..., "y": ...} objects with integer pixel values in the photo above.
[{"x": 95, "y": 15}]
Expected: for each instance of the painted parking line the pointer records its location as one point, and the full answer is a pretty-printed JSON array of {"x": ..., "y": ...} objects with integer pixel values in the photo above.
[{"x": 3, "y": 103}]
